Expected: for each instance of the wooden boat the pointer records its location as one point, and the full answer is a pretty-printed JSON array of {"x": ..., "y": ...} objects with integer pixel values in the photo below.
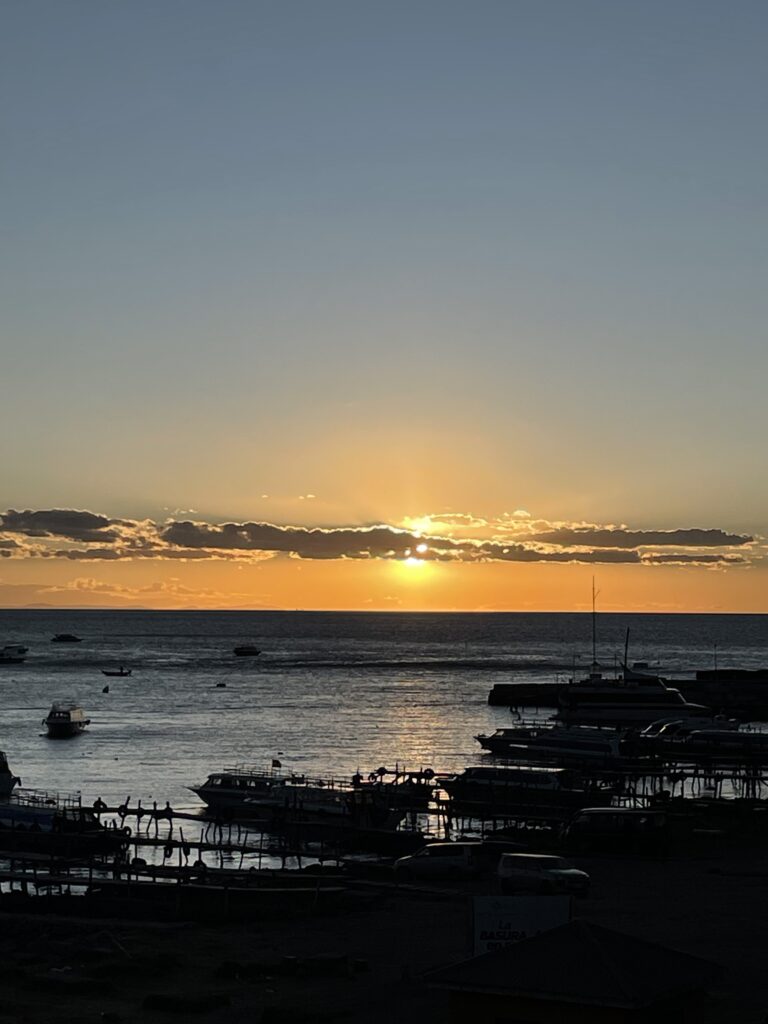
[
  {"x": 65, "y": 720},
  {"x": 246, "y": 651},
  {"x": 66, "y": 638},
  {"x": 120, "y": 673}
]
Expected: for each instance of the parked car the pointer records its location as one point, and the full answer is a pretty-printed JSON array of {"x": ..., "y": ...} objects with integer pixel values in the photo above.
[
  {"x": 444, "y": 860},
  {"x": 628, "y": 830},
  {"x": 539, "y": 872}
]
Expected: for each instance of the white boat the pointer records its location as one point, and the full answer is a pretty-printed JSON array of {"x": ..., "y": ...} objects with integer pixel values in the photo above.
[
  {"x": 292, "y": 798},
  {"x": 563, "y": 745},
  {"x": 65, "y": 720}
]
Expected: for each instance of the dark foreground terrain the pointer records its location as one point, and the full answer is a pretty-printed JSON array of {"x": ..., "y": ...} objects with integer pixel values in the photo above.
[{"x": 364, "y": 964}]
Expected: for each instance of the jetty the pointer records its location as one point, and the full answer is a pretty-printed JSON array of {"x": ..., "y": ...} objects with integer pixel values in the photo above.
[{"x": 739, "y": 692}]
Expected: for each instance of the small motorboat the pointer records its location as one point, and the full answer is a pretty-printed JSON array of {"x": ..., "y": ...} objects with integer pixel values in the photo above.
[
  {"x": 13, "y": 654},
  {"x": 66, "y": 638},
  {"x": 119, "y": 672},
  {"x": 246, "y": 651},
  {"x": 65, "y": 720}
]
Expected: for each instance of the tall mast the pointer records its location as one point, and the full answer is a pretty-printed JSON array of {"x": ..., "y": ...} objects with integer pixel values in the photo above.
[{"x": 594, "y": 624}]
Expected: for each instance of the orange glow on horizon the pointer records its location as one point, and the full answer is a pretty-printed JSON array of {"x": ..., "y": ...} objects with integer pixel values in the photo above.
[{"x": 409, "y": 584}]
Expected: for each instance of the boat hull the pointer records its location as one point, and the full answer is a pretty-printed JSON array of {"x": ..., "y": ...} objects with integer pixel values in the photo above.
[
  {"x": 65, "y": 730},
  {"x": 618, "y": 714}
]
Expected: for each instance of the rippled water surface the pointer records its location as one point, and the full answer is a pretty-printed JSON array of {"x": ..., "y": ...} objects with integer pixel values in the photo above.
[{"x": 330, "y": 693}]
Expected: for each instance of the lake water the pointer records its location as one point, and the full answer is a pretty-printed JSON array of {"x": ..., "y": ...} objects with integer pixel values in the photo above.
[{"x": 331, "y": 693}]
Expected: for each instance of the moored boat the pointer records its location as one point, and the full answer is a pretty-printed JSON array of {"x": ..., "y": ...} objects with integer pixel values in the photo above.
[
  {"x": 248, "y": 792},
  {"x": 36, "y": 821},
  {"x": 558, "y": 744},
  {"x": 718, "y": 742},
  {"x": 65, "y": 720},
  {"x": 525, "y": 787},
  {"x": 7, "y": 779},
  {"x": 631, "y": 700}
]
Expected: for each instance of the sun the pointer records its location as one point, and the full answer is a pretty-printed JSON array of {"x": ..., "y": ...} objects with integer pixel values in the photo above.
[{"x": 414, "y": 560}]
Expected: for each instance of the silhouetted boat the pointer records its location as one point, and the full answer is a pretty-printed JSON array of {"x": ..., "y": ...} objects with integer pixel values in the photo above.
[
  {"x": 246, "y": 651},
  {"x": 559, "y": 744},
  {"x": 13, "y": 654},
  {"x": 65, "y": 720},
  {"x": 621, "y": 701},
  {"x": 296, "y": 799},
  {"x": 120, "y": 672},
  {"x": 66, "y": 638},
  {"x": 523, "y": 786},
  {"x": 7, "y": 779},
  {"x": 38, "y": 822}
]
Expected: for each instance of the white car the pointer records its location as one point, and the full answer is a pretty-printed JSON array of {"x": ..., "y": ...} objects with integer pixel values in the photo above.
[{"x": 540, "y": 872}]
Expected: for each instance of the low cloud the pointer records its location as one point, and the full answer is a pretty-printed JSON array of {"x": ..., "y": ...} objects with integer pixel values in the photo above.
[
  {"x": 621, "y": 538},
  {"x": 341, "y": 542},
  {"x": 72, "y": 524},
  {"x": 449, "y": 537},
  {"x": 681, "y": 558}
]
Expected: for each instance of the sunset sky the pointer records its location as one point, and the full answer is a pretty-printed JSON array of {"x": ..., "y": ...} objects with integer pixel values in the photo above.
[{"x": 384, "y": 305}]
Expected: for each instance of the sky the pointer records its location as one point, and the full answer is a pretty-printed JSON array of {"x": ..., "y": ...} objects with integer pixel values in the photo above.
[{"x": 405, "y": 305}]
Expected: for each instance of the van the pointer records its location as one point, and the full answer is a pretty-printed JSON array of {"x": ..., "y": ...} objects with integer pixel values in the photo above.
[
  {"x": 617, "y": 830},
  {"x": 445, "y": 860}
]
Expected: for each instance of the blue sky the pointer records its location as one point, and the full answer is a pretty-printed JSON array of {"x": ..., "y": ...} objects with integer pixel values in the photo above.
[{"x": 512, "y": 254}]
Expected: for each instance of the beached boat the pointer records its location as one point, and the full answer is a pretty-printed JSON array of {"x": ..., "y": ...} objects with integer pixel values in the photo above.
[
  {"x": 523, "y": 787},
  {"x": 66, "y": 638},
  {"x": 118, "y": 672},
  {"x": 65, "y": 720},
  {"x": 246, "y": 651}
]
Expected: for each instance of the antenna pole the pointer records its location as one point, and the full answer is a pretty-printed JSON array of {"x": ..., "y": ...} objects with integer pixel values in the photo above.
[{"x": 594, "y": 625}]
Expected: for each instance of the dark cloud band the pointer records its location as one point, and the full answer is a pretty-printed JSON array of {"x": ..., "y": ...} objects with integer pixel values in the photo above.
[{"x": 100, "y": 538}]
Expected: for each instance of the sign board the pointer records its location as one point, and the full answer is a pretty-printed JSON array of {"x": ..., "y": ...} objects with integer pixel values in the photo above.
[{"x": 500, "y": 921}]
